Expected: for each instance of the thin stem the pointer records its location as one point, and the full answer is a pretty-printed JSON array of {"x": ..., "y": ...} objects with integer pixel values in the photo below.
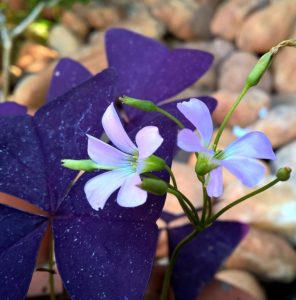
[
  {"x": 184, "y": 206},
  {"x": 6, "y": 58},
  {"x": 172, "y": 176},
  {"x": 170, "y": 116},
  {"x": 232, "y": 204},
  {"x": 173, "y": 260},
  {"x": 51, "y": 267},
  {"x": 205, "y": 205},
  {"x": 228, "y": 116}
]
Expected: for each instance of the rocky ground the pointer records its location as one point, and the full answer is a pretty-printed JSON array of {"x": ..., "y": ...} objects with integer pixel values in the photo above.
[{"x": 236, "y": 32}]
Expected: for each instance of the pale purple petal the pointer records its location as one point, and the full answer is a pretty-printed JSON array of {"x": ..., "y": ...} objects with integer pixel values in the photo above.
[
  {"x": 215, "y": 184},
  {"x": 105, "y": 155},
  {"x": 253, "y": 145},
  {"x": 199, "y": 115},
  {"x": 248, "y": 170},
  {"x": 99, "y": 188},
  {"x": 130, "y": 195},
  {"x": 189, "y": 141},
  {"x": 148, "y": 141},
  {"x": 115, "y": 131}
]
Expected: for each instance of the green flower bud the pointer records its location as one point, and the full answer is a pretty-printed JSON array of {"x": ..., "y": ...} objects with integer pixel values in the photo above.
[
  {"x": 153, "y": 163},
  {"x": 80, "y": 165},
  {"x": 140, "y": 104},
  {"x": 204, "y": 165},
  {"x": 283, "y": 174},
  {"x": 156, "y": 187},
  {"x": 260, "y": 68}
]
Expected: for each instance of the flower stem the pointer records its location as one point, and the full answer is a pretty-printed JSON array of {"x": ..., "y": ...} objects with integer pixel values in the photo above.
[
  {"x": 229, "y": 114},
  {"x": 170, "y": 116},
  {"x": 205, "y": 206},
  {"x": 232, "y": 204},
  {"x": 172, "y": 176},
  {"x": 51, "y": 267},
  {"x": 173, "y": 260}
]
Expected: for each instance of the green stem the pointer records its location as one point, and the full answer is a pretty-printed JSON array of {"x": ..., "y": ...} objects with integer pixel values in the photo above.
[
  {"x": 188, "y": 211},
  {"x": 173, "y": 260},
  {"x": 51, "y": 267},
  {"x": 170, "y": 116},
  {"x": 228, "y": 116},
  {"x": 205, "y": 205},
  {"x": 6, "y": 61},
  {"x": 172, "y": 176},
  {"x": 232, "y": 204}
]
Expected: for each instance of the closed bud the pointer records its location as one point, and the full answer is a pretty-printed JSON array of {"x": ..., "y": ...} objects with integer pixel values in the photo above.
[
  {"x": 260, "y": 68},
  {"x": 80, "y": 165},
  {"x": 140, "y": 104},
  {"x": 153, "y": 163},
  {"x": 283, "y": 174},
  {"x": 156, "y": 187}
]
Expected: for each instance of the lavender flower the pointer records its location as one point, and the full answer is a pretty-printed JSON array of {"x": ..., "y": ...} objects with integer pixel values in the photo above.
[
  {"x": 126, "y": 164},
  {"x": 240, "y": 157}
]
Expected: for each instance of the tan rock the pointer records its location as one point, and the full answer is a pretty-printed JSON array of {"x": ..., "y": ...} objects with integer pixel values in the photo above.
[
  {"x": 230, "y": 16},
  {"x": 274, "y": 209},
  {"x": 75, "y": 23},
  {"x": 267, "y": 27},
  {"x": 236, "y": 68},
  {"x": 32, "y": 90},
  {"x": 266, "y": 255},
  {"x": 248, "y": 110},
  {"x": 63, "y": 40},
  {"x": 279, "y": 124},
  {"x": 34, "y": 57},
  {"x": 244, "y": 281},
  {"x": 286, "y": 157},
  {"x": 284, "y": 67},
  {"x": 186, "y": 19},
  {"x": 101, "y": 17}
]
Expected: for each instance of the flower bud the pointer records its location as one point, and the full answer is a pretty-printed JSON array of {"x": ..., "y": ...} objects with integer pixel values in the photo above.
[
  {"x": 153, "y": 163},
  {"x": 156, "y": 187},
  {"x": 80, "y": 165},
  {"x": 283, "y": 174},
  {"x": 140, "y": 104},
  {"x": 260, "y": 68}
]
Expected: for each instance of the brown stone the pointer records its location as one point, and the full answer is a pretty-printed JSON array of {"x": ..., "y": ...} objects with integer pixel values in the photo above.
[
  {"x": 75, "y": 23},
  {"x": 279, "y": 124},
  {"x": 230, "y": 16},
  {"x": 266, "y": 255},
  {"x": 34, "y": 57},
  {"x": 186, "y": 19},
  {"x": 273, "y": 209},
  {"x": 248, "y": 110},
  {"x": 63, "y": 40},
  {"x": 267, "y": 27},
  {"x": 236, "y": 68},
  {"x": 242, "y": 280},
  {"x": 284, "y": 67}
]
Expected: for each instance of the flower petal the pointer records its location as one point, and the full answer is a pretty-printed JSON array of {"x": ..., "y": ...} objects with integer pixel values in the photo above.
[
  {"x": 100, "y": 188},
  {"x": 188, "y": 141},
  {"x": 105, "y": 155},
  {"x": 248, "y": 170},
  {"x": 115, "y": 131},
  {"x": 199, "y": 115},
  {"x": 148, "y": 141},
  {"x": 253, "y": 145},
  {"x": 130, "y": 195},
  {"x": 215, "y": 184}
]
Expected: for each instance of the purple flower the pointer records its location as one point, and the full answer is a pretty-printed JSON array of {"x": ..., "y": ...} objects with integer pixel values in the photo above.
[
  {"x": 240, "y": 157},
  {"x": 126, "y": 164}
]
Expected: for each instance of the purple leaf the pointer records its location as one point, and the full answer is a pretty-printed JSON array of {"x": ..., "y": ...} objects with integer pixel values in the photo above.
[
  {"x": 12, "y": 109},
  {"x": 200, "y": 259},
  {"x": 21, "y": 234},
  {"x": 62, "y": 126},
  {"x": 150, "y": 71},
  {"x": 21, "y": 161},
  {"x": 67, "y": 74}
]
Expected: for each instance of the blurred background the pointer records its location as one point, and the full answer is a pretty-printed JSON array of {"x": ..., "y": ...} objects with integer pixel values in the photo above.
[{"x": 236, "y": 32}]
